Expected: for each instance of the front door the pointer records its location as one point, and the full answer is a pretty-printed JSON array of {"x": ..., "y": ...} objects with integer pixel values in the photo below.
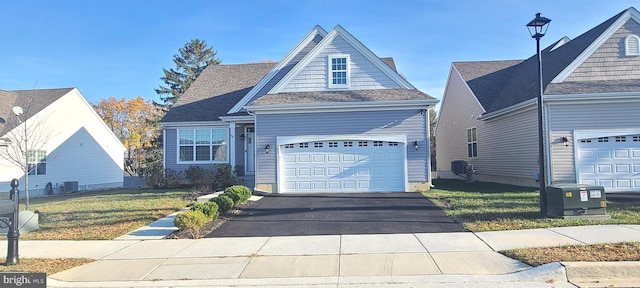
[{"x": 250, "y": 150}]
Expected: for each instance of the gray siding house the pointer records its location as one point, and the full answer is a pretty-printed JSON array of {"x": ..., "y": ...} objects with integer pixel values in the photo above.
[
  {"x": 591, "y": 102},
  {"x": 331, "y": 116}
]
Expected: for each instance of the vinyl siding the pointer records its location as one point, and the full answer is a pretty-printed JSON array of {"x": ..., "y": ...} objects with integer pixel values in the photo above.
[
  {"x": 401, "y": 122},
  {"x": 79, "y": 146},
  {"x": 609, "y": 62},
  {"x": 364, "y": 74},
  {"x": 458, "y": 113},
  {"x": 507, "y": 145},
  {"x": 566, "y": 118}
]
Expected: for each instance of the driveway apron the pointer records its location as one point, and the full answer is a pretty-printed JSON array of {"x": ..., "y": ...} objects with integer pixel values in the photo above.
[{"x": 338, "y": 214}]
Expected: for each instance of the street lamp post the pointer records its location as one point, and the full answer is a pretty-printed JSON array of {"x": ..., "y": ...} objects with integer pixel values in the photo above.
[{"x": 537, "y": 28}]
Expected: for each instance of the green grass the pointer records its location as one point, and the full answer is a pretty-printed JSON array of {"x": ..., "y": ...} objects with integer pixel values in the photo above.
[
  {"x": 483, "y": 206},
  {"x": 101, "y": 215}
]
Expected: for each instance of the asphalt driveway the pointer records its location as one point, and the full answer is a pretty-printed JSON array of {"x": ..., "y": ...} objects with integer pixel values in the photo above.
[{"x": 338, "y": 214}]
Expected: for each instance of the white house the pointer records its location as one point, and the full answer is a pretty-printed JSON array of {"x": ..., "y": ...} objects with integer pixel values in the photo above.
[
  {"x": 591, "y": 101},
  {"x": 331, "y": 116},
  {"x": 67, "y": 141}
]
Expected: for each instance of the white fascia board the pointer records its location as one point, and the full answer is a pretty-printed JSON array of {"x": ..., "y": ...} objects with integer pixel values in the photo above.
[
  {"x": 238, "y": 119},
  {"x": 531, "y": 103},
  {"x": 317, "y": 30},
  {"x": 596, "y": 44},
  {"x": 283, "y": 140},
  {"x": 342, "y": 106},
  {"x": 356, "y": 44},
  {"x": 188, "y": 124}
]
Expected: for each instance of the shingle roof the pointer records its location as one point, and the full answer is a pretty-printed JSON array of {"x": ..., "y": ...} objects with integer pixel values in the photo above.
[
  {"x": 632, "y": 85},
  {"x": 343, "y": 96},
  {"x": 32, "y": 102},
  {"x": 217, "y": 90},
  {"x": 517, "y": 82},
  {"x": 220, "y": 87}
]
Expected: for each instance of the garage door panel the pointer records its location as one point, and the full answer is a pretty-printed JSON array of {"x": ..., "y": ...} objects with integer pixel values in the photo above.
[
  {"x": 621, "y": 154},
  {"x": 343, "y": 166},
  {"x": 616, "y": 165}
]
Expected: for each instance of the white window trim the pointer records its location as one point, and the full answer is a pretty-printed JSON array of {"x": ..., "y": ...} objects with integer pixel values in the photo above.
[
  {"x": 330, "y": 74},
  {"x": 178, "y": 161},
  {"x": 628, "y": 40},
  {"x": 472, "y": 142},
  {"x": 36, "y": 162}
]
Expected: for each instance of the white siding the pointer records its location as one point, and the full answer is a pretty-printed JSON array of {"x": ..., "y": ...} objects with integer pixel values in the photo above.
[
  {"x": 364, "y": 74},
  {"x": 458, "y": 113},
  {"x": 80, "y": 147},
  {"x": 507, "y": 146}
]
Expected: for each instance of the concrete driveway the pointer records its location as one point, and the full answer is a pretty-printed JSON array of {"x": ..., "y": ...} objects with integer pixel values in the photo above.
[{"x": 338, "y": 214}]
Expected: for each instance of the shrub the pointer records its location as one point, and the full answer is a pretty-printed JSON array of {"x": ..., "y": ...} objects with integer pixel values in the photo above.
[
  {"x": 190, "y": 220},
  {"x": 202, "y": 179},
  {"x": 209, "y": 209},
  {"x": 156, "y": 177},
  {"x": 224, "y": 203},
  {"x": 233, "y": 195},
  {"x": 243, "y": 192},
  {"x": 224, "y": 177}
]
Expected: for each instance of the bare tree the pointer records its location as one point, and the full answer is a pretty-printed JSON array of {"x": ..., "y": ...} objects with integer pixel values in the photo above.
[{"x": 25, "y": 141}]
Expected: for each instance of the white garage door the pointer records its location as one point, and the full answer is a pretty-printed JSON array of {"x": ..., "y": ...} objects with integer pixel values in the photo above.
[
  {"x": 342, "y": 166},
  {"x": 612, "y": 162}
]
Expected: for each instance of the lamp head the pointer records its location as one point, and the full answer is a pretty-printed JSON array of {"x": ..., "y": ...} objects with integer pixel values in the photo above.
[{"x": 538, "y": 26}]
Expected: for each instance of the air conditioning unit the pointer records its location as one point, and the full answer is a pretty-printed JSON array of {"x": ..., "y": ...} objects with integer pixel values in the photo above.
[{"x": 459, "y": 167}]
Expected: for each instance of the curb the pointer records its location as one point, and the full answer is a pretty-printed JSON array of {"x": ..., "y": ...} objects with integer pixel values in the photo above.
[{"x": 603, "y": 274}]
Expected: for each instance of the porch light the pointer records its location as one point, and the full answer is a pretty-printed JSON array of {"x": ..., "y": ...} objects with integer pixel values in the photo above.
[
  {"x": 266, "y": 149},
  {"x": 415, "y": 145},
  {"x": 241, "y": 137},
  {"x": 565, "y": 141}
]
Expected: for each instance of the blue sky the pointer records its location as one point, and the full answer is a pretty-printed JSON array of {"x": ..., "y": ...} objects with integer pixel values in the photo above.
[{"x": 119, "y": 47}]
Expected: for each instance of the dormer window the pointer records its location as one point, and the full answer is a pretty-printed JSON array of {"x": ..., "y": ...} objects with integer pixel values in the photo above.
[
  {"x": 339, "y": 71},
  {"x": 632, "y": 45}
]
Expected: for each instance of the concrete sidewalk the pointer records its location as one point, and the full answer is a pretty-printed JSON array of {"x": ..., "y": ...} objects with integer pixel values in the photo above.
[{"x": 461, "y": 259}]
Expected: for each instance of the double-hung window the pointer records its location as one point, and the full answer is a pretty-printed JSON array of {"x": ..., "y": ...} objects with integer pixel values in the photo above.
[
  {"x": 202, "y": 145},
  {"x": 339, "y": 71},
  {"x": 472, "y": 142},
  {"x": 37, "y": 162}
]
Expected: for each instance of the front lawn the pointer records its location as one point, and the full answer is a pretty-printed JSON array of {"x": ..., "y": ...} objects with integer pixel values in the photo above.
[
  {"x": 101, "y": 215},
  {"x": 483, "y": 206}
]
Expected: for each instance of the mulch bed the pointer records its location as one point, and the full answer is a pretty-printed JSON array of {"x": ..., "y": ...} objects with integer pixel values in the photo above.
[{"x": 211, "y": 225}]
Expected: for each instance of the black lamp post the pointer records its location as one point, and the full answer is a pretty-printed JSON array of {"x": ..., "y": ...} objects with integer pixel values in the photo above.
[
  {"x": 14, "y": 231},
  {"x": 537, "y": 28}
]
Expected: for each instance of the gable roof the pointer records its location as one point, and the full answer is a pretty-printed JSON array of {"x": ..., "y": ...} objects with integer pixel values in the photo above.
[
  {"x": 32, "y": 101},
  {"x": 516, "y": 81},
  {"x": 216, "y": 90},
  {"x": 224, "y": 90},
  {"x": 339, "y": 31}
]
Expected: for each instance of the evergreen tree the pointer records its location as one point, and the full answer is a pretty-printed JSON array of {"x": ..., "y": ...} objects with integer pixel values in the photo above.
[{"x": 190, "y": 61}]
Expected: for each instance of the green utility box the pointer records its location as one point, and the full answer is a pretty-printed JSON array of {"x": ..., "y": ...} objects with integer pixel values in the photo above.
[{"x": 576, "y": 201}]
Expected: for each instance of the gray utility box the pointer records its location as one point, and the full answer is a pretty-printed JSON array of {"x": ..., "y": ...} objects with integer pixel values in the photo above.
[{"x": 576, "y": 201}]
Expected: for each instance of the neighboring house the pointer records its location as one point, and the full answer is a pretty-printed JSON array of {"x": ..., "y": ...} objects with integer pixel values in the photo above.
[
  {"x": 591, "y": 103},
  {"x": 331, "y": 116},
  {"x": 69, "y": 141}
]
